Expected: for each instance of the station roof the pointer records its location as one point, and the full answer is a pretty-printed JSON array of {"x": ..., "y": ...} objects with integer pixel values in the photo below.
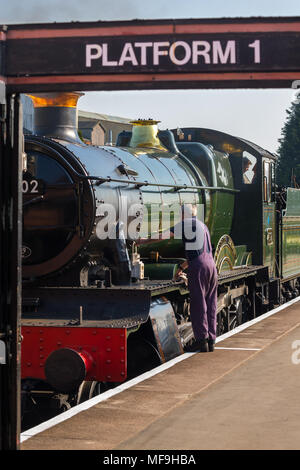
[{"x": 86, "y": 115}]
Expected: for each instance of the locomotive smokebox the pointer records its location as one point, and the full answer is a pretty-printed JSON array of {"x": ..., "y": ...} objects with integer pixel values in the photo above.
[
  {"x": 66, "y": 369},
  {"x": 55, "y": 115}
]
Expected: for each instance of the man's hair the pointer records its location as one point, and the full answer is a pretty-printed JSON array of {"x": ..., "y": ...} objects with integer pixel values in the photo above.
[
  {"x": 189, "y": 210},
  {"x": 246, "y": 162}
]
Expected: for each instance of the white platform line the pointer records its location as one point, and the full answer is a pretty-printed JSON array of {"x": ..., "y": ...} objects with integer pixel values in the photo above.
[
  {"x": 102, "y": 397},
  {"x": 244, "y": 326},
  {"x": 110, "y": 393},
  {"x": 239, "y": 349}
]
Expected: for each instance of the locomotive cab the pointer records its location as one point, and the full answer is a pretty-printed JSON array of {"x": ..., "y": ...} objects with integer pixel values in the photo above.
[{"x": 252, "y": 170}]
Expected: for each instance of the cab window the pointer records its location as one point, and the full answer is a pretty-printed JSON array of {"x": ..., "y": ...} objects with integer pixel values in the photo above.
[
  {"x": 268, "y": 176},
  {"x": 249, "y": 168}
]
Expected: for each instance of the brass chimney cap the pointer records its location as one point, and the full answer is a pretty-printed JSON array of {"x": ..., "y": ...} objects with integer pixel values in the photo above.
[
  {"x": 59, "y": 99},
  {"x": 144, "y": 122},
  {"x": 145, "y": 134}
]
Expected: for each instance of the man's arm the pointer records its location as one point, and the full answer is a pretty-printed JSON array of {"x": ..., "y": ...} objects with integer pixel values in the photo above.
[{"x": 162, "y": 236}]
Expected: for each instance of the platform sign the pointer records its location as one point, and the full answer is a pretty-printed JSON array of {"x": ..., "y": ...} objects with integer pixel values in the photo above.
[{"x": 143, "y": 54}]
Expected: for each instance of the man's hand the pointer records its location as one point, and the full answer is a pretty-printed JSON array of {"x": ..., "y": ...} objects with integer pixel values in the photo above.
[
  {"x": 178, "y": 273},
  {"x": 180, "y": 269}
]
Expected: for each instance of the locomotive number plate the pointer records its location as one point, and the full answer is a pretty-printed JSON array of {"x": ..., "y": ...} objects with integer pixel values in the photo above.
[{"x": 33, "y": 187}]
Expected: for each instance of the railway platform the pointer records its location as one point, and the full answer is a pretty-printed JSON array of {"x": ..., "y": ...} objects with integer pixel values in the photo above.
[{"x": 244, "y": 395}]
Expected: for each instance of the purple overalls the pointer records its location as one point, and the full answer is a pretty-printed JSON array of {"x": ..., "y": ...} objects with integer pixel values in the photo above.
[{"x": 203, "y": 283}]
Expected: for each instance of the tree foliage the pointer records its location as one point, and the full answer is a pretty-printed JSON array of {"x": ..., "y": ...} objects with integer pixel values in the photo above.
[{"x": 288, "y": 169}]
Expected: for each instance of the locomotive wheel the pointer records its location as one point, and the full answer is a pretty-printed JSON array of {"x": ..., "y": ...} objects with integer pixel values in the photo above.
[
  {"x": 87, "y": 390},
  {"x": 230, "y": 318},
  {"x": 235, "y": 315},
  {"x": 142, "y": 356},
  {"x": 221, "y": 323}
]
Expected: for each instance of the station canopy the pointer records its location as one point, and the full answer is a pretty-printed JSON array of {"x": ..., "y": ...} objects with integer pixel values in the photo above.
[{"x": 152, "y": 54}]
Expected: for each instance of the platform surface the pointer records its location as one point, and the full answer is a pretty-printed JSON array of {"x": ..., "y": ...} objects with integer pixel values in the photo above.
[{"x": 244, "y": 395}]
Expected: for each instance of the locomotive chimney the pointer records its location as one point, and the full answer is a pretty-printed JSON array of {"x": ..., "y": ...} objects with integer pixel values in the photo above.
[
  {"x": 144, "y": 134},
  {"x": 55, "y": 115}
]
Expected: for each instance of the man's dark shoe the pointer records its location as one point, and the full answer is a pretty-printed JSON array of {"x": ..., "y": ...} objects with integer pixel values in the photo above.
[
  {"x": 203, "y": 345},
  {"x": 211, "y": 345},
  {"x": 199, "y": 345}
]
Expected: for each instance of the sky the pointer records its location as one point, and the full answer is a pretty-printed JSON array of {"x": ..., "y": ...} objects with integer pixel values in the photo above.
[{"x": 257, "y": 115}]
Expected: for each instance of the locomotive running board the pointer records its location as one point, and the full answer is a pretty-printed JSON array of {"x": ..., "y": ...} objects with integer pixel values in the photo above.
[
  {"x": 104, "y": 308},
  {"x": 242, "y": 272}
]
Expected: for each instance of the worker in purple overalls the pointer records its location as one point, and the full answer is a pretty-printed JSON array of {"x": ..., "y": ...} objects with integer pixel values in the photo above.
[
  {"x": 202, "y": 280},
  {"x": 202, "y": 275}
]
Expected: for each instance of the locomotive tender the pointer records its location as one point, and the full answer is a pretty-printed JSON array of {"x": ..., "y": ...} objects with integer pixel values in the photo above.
[{"x": 98, "y": 310}]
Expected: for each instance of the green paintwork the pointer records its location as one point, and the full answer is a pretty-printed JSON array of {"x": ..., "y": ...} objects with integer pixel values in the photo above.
[
  {"x": 243, "y": 257},
  {"x": 219, "y": 219},
  {"x": 269, "y": 234},
  {"x": 225, "y": 254},
  {"x": 290, "y": 251},
  {"x": 160, "y": 270},
  {"x": 218, "y": 205}
]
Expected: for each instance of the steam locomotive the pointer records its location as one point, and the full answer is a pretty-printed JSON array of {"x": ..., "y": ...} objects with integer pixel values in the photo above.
[{"x": 97, "y": 309}]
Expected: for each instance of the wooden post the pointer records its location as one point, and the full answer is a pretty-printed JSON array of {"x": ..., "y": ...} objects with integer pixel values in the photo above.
[{"x": 11, "y": 148}]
